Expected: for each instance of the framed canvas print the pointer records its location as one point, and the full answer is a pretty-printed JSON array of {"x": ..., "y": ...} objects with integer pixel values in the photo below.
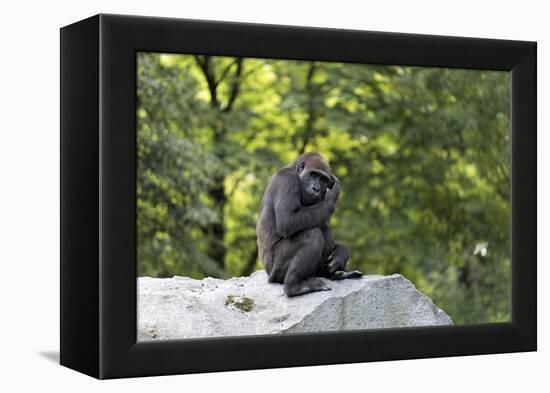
[{"x": 240, "y": 196}]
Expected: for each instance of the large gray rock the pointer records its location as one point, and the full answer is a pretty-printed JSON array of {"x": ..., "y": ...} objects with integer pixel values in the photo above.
[{"x": 180, "y": 307}]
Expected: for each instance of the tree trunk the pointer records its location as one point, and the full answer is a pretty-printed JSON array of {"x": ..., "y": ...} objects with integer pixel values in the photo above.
[
  {"x": 252, "y": 258},
  {"x": 311, "y": 92},
  {"x": 217, "y": 249}
]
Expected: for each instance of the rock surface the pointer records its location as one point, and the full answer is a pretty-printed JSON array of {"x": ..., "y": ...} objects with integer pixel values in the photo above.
[{"x": 181, "y": 307}]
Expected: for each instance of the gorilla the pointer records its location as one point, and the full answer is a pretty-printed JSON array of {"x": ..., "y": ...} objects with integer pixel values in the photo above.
[{"x": 295, "y": 243}]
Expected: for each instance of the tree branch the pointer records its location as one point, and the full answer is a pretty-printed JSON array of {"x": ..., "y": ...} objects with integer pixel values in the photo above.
[
  {"x": 235, "y": 86},
  {"x": 226, "y": 70},
  {"x": 204, "y": 65}
]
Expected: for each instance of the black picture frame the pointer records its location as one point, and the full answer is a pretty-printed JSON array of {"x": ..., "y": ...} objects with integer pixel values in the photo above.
[{"x": 98, "y": 198}]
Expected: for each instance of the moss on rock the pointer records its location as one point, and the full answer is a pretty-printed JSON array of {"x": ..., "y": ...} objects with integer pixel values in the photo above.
[{"x": 244, "y": 303}]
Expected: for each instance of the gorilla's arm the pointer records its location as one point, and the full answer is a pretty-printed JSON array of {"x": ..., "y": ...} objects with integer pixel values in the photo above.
[{"x": 290, "y": 216}]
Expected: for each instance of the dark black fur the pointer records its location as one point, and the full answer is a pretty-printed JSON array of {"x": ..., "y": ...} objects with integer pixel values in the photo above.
[{"x": 295, "y": 242}]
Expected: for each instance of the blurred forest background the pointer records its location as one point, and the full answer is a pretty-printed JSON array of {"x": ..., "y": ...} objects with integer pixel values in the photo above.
[{"x": 423, "y": 155}]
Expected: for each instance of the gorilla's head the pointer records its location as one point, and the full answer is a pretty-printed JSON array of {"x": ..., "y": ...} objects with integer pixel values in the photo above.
[{"x": 315, "y": 177}]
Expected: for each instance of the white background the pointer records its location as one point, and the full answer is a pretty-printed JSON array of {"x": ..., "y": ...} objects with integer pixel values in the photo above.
[{"x": 29, "y": 194}]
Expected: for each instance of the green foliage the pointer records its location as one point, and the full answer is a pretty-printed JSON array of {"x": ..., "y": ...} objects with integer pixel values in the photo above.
[{"x": 423, "y": 155}]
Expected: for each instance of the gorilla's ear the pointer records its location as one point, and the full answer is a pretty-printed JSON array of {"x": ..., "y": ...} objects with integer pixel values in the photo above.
[
  {"x": 300, "y": 167},
  {"x": 332, "y": 181}
]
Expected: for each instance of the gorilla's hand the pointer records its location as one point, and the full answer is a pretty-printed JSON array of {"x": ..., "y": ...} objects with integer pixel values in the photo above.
[
  {"x": 332, "y": 194},
  {"x": 335, "y": 186},
  {"x": 337, "y": 259}
]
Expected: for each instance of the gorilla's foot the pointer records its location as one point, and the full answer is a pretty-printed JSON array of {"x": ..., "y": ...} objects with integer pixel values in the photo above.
[{"x": 312, "y": 284}]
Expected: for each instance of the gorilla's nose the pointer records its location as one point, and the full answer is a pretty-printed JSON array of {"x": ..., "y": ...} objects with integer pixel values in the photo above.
[{"x": 316, "y": 189}]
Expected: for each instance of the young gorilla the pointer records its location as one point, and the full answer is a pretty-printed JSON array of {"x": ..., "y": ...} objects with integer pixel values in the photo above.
[{"x": 295, "y": 242}]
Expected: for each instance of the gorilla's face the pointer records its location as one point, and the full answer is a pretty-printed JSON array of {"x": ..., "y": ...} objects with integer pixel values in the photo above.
[{"x": 314, "y": 184}]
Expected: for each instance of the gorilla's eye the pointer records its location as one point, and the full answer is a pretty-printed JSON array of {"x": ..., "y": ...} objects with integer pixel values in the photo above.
[
  {"x": 323, "y": 179},
  {"x": 301, "y": 167}
]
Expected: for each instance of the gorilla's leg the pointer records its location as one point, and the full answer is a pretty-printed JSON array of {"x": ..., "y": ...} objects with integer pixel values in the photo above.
[
  {"x": 302, "y": 266},
  {"x": 333, "y": 267},
  {"x": 334, "y": 259}
]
